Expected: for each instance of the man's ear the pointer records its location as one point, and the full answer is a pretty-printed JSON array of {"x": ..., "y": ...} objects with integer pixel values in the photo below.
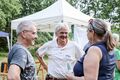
[{"x": 23, "y": 35}]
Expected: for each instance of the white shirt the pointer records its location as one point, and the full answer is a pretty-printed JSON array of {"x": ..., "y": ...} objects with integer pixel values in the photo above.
[{"x": 60, "y": 60}]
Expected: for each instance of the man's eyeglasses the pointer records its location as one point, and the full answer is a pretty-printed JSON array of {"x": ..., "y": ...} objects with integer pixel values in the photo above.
[
  {"x": 63, "y": 32},
  {"x": 30, "y": 31}
]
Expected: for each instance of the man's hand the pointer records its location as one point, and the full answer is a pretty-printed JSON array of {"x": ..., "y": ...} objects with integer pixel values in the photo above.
[
  {"x": 70, "y": 76},
  {"x": 45, "y": 67}
]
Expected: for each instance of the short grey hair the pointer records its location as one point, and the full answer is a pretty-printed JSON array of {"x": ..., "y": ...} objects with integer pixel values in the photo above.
[
  {"x": 115, "y": 36},
  {"x": 60, "y": 26},
  {"x": 24, "y": 25}
]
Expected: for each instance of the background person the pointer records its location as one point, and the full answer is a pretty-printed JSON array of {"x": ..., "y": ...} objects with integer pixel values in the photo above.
[
  {"x": 97, "y": 63},
  {"x": 62, "y": 54},
  {"x": 117, "y": 54},
  {"x": 20, "y": 61}
]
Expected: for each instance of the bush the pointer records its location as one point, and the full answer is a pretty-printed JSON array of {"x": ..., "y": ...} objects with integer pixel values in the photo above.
[
  {"x": 3, "y": 54},
  {"x": 33, "y": 49},
  {"x": 3, "y": 44}
]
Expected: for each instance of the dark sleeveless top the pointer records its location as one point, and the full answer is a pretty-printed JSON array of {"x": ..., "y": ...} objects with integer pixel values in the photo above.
[{"x": 106, "y": 67}]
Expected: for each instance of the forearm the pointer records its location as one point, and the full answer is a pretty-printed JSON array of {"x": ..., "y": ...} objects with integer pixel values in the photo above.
[
  {"x": 44, "y": 64},
  {"x": 42, "y": 61},
  {"x": 14, "y": 73}
]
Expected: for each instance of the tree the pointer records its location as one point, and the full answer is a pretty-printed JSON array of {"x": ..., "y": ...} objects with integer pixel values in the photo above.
[
  {"x": 9, "y": 9},
  {"x": 32, "y": 6},
  {"x": 105, "y": 9}
]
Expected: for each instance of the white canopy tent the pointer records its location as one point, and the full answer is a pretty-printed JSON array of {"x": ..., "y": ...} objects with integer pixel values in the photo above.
[{"x": 46, "y": 19}]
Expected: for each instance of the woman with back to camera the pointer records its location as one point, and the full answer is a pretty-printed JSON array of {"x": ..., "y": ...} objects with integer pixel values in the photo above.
[{"x": 99, "y": 62}]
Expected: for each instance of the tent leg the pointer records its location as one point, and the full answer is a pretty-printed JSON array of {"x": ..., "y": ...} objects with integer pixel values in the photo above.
[
  {"x": 11, "y": 38},
  {"x": 8, "y": 43},
  {"x": 72, "y": 30}
]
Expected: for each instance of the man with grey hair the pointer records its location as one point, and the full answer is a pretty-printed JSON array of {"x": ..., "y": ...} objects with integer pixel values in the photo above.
[
  {"x": 21, "y": 65},
  {"x": 62, "y": 54}
]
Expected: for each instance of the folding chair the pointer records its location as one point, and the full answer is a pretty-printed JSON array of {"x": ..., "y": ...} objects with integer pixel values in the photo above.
[
  {"x": 40, "y": 70},
  {"x": 4, "y": 70}
]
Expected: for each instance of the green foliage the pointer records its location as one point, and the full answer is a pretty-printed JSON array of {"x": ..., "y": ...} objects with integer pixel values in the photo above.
[
  {"x": 105, "y": 9},
  {"x": 9, "y": 9},
  {"x": 33, "y": 49},
  {"x": 2, "y": 20},
  {"x": 32, "y": 6},
  {"x": 43, "y": 37},
  {"x": 12, "y": 9},
  {"x": 73, "y": 2},
  {"x": 115, "y": 28},
  {"x": 3, "y": 44}
]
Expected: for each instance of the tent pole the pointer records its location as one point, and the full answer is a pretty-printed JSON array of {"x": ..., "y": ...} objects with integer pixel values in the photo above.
[
  {"x": 8, "y": 43},
  {"x": 11, "y": 38},
  {"x": 72, "y": 30}
]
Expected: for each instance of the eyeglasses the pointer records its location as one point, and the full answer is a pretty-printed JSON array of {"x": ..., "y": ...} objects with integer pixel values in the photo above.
[
  {"x": 30, "y": 31},
  {"x": 91, "y": 23},
  {"x": 63, "y": 32}
]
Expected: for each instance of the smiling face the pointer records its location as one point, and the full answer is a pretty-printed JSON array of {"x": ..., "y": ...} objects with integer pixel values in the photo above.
[
  {"x": 115, "y": 37},
  {"x": 32, "y": 35},
  {"x": 29, "y": 35},
  {"x": 62, "y": 35}
]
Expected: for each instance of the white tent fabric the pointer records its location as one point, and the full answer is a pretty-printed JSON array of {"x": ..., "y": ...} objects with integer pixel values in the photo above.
[
  {"x": 61, "y": 10},
  {"x": 80, "y": 36},
  {"x": 46, "y": 19}
]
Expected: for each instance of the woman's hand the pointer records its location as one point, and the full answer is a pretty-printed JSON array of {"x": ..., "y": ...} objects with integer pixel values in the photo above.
[{"x": 70, "y": 76}]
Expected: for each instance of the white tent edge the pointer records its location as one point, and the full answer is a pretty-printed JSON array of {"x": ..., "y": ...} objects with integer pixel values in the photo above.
[{"x": 61, "y": 11}]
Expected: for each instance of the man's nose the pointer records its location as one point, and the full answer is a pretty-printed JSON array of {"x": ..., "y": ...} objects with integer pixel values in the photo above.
[
  {"x": 64, "y": 34},
  {"x": 36, "y": 36}
]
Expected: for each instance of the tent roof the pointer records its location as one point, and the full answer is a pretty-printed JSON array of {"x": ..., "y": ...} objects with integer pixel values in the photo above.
[
  {"x": 61, "y": 10},
  {"x": 3, "y": 34}
]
